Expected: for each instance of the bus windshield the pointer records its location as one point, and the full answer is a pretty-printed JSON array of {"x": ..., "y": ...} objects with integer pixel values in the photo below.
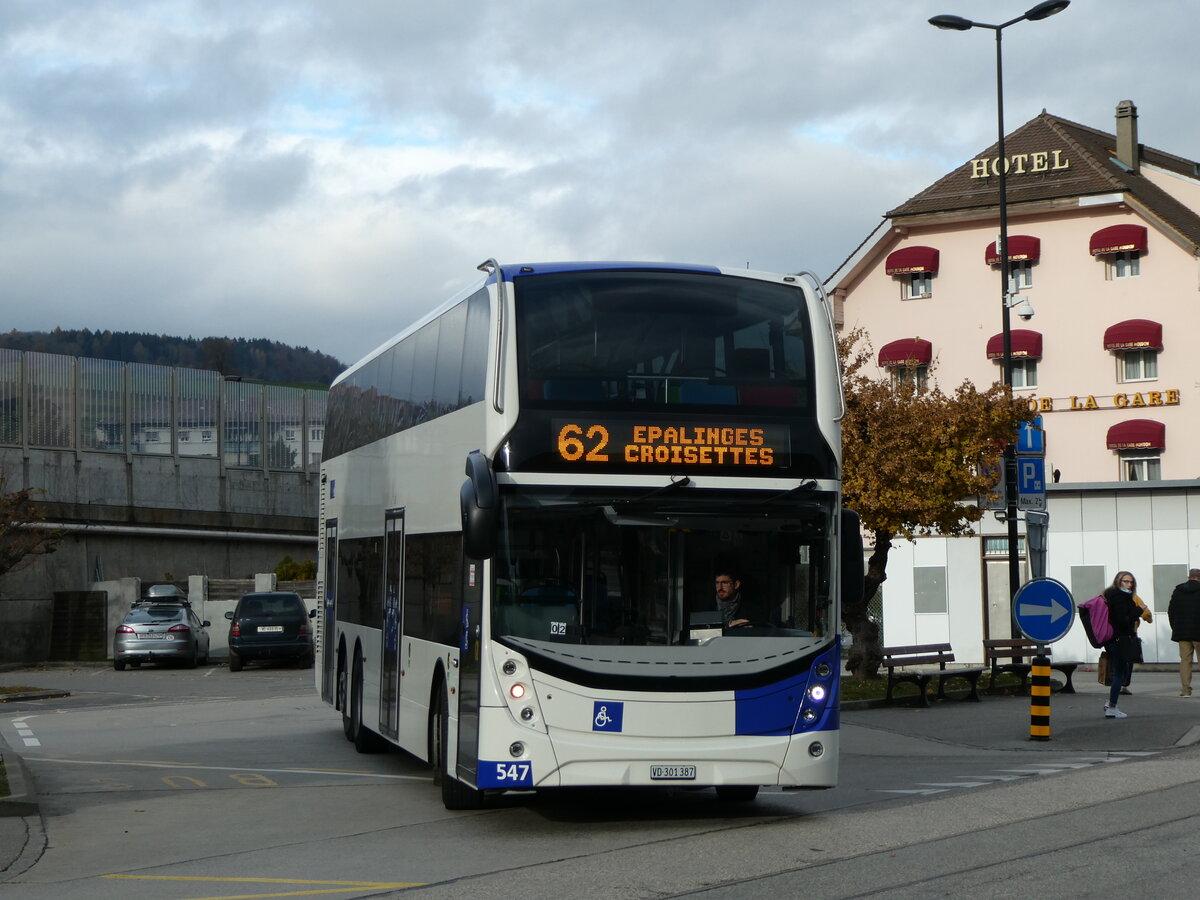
[
  {"x": 652, "y": 338},
  {"x": 584, "y": 566}
]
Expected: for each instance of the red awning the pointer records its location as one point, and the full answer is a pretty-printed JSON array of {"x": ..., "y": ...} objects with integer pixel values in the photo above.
[
  {"x": 906, "y": 352},
  {"x": 1025, "y": 345},
  {"x": 1118, "y": 239},
  {"x": 1020, "y": 247},
  {"x": 912, "y": 259},
  {"x": 1137, "y": 434},
  {"x": 1133, "y": 334}
]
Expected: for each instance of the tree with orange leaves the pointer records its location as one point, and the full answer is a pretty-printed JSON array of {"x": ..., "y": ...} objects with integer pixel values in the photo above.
[{"x": 915, "y": 461}]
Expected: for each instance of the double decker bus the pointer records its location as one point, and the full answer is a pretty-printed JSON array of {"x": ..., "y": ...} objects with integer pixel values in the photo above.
[{"x": 526, "y": 497}]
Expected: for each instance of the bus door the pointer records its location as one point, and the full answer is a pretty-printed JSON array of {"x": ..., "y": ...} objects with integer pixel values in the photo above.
[
  {"x": 470, "y": 619},
  {"x": 328, "y": 610},
  {"x": 393, "y": 606}
]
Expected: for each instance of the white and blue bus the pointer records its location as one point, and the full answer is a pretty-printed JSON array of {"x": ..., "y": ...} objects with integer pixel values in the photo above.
[{"x": 525, "y": 499}]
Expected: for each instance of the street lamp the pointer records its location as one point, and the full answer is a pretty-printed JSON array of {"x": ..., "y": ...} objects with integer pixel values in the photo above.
[{"x": 958, "y": 23}]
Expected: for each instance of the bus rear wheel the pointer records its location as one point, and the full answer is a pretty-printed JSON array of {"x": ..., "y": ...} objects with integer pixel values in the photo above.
[
  {"x": 455, "y": 794},
  {"x": 365, "y": 740}
]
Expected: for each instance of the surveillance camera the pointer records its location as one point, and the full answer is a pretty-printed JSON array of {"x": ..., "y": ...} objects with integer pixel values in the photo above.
[{"x": 1025, "y": 310}]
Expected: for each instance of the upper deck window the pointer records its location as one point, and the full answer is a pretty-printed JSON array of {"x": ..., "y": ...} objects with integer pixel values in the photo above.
[{"x": 644, "y": 339}]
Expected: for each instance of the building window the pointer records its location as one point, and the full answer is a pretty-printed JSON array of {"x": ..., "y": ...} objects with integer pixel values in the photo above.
[
  {"x": 206, "y": 437},
  {"x": 996, "y": 547},
  {"x": 929, "y": 589},
  {"x": 1020, "y": 275},
  {"x": 151, "y": 437},
  {"x": 289, "y": 434},
  {"x": 1123, "y": 265},
  {"x": 906, "y": 375},
  {"x": 1138, "y": 365},
  {"x": 1024, "y": 373},
  {"x": 918, "y": 285},
  {"x": 316, "y": 434},
  {"x": 1141, "y": 465}
]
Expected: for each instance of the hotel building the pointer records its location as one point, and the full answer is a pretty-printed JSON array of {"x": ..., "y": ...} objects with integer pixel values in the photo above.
[{"x": 1104, "y": 254}]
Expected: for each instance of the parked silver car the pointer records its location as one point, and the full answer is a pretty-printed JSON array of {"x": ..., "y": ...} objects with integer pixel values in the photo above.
[{"x": 161, "y": 628}]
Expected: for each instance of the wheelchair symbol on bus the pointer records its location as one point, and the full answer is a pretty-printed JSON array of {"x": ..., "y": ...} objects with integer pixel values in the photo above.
[{"x": 607, "y": 715}]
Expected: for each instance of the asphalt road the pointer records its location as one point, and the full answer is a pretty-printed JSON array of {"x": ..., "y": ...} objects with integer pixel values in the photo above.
[{"x": 163, "y": 783}]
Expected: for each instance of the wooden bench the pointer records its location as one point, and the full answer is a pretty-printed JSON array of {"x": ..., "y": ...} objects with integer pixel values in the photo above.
[
  {"x": 1015, "y": 650},
  {"x": 916, "y": 664}
]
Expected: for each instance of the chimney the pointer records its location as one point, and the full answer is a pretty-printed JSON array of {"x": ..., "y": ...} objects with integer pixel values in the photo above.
[{"x": 1128, "y": 149}]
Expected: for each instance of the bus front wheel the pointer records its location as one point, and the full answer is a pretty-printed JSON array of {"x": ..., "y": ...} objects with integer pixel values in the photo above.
[{"x": 455, "y": 794}]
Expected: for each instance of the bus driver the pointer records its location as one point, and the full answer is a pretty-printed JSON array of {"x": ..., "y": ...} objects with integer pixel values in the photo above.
[{"x": 735, "y": 610}]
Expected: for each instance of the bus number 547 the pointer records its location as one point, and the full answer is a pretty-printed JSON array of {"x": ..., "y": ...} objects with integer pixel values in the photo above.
[
  {"x": 575, "y": 444},
  {"x": 514, "y": 773}
]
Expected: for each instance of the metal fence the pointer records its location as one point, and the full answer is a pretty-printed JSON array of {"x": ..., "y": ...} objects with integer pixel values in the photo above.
[{"x": 57, "y": 402}]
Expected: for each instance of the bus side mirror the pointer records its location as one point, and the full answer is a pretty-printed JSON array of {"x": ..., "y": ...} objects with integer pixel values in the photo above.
[
  {"x": 478, "y": 502},
  {"x": 852, "y": 559}
]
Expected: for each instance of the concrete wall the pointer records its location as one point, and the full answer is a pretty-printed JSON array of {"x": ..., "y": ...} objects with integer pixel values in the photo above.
[{"x": 1151, "y": 529}]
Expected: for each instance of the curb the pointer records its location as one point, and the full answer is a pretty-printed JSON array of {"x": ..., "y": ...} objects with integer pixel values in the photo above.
[
  {"x": 22, "y": 830},
  {"x": 34, "y": 695}
]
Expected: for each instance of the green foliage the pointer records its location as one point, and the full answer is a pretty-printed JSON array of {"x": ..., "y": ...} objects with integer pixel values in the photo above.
[
  {"x": 260, "y": 359},
  {"x": 22, "y": 537},
  {"x": 287, "y": 569}
]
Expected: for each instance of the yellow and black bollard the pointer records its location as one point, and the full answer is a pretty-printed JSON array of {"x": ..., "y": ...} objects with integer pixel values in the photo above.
[{"x": 1039, "y": 699}]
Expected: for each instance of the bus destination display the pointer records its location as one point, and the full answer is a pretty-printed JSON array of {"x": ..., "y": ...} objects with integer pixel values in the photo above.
[{"x": 639, "y": 443}]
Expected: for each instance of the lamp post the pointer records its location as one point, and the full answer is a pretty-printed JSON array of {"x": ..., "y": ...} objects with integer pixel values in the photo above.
[{"x": 957, "y": 23}]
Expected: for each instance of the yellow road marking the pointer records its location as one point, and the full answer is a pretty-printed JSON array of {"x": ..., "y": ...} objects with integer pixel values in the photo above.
[{"x": 331, "y": 887}]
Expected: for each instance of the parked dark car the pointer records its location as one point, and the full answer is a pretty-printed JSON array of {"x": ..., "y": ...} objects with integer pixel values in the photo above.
[
  {"x": 269, "y": 625},
  {"x": 161, "y": 628}
]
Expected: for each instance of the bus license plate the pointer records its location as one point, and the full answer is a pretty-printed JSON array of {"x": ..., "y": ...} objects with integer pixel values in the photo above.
[{"x": 672, "y": 773}]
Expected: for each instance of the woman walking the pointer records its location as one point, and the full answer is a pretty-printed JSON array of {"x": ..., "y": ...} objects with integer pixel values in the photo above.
[{"x": 1123, "y": 615}]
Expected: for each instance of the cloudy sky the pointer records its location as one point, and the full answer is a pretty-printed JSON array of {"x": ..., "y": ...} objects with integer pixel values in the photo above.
[{"x": 321, "y": 172}]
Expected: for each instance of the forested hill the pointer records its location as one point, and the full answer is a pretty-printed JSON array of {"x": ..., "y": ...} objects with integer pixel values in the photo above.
[{"x": 258, "y": 359}]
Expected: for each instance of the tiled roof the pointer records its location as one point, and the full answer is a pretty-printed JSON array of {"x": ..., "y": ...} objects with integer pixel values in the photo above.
[{"x": 1091, "y": 168}]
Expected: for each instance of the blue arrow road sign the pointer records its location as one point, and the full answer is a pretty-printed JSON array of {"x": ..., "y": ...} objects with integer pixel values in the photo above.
[
  {"x": 1031, "y": 439},
  {"x": 1044, "y": 610}
]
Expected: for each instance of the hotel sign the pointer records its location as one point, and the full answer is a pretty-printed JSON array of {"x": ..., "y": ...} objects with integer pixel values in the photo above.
[{"x": 1021, "y": 164}]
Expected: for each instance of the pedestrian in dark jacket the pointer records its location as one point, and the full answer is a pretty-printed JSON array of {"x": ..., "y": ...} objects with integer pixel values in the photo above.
[
  {"x": 1183, "y": 613},
  {"x": 1123, "y": 615}
]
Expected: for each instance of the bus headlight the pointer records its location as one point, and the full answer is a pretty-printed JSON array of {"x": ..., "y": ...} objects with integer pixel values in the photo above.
[
  {"x": 816, "y": 749},
  {"x": 809, "y": 715},
  {"x": 517, "y": 691},
  {"x": 818, "y": 693},
  {"x": 510, "y": 667}
]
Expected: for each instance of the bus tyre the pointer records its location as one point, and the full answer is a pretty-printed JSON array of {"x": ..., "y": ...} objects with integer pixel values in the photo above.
[
  {"x": 343, "y": 702},
  {"x": 365, "y": 740},
  {"x": 737, "y": 793},
  {"x": 455, "y": 794}
]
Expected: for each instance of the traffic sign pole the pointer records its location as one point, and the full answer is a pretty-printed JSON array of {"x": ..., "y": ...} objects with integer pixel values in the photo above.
[
  {"x": 1039, "y": 698},
  {"x": 1044, "y": 610}
]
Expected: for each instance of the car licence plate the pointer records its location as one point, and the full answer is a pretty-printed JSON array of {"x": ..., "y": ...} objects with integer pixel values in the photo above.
[
  {"x": 672, "y": 773},
  {"x": 156, "y": 637},
  {"x": 270, "y": 629}
]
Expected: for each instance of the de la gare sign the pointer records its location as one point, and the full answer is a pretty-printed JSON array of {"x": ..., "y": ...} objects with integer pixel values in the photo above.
[{"x": 1138, "y": 400}]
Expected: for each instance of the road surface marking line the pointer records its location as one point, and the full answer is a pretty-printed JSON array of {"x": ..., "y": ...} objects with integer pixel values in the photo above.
[
  {"x": 197, "y": 767},
  {"x": 248, "y": 879}
]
